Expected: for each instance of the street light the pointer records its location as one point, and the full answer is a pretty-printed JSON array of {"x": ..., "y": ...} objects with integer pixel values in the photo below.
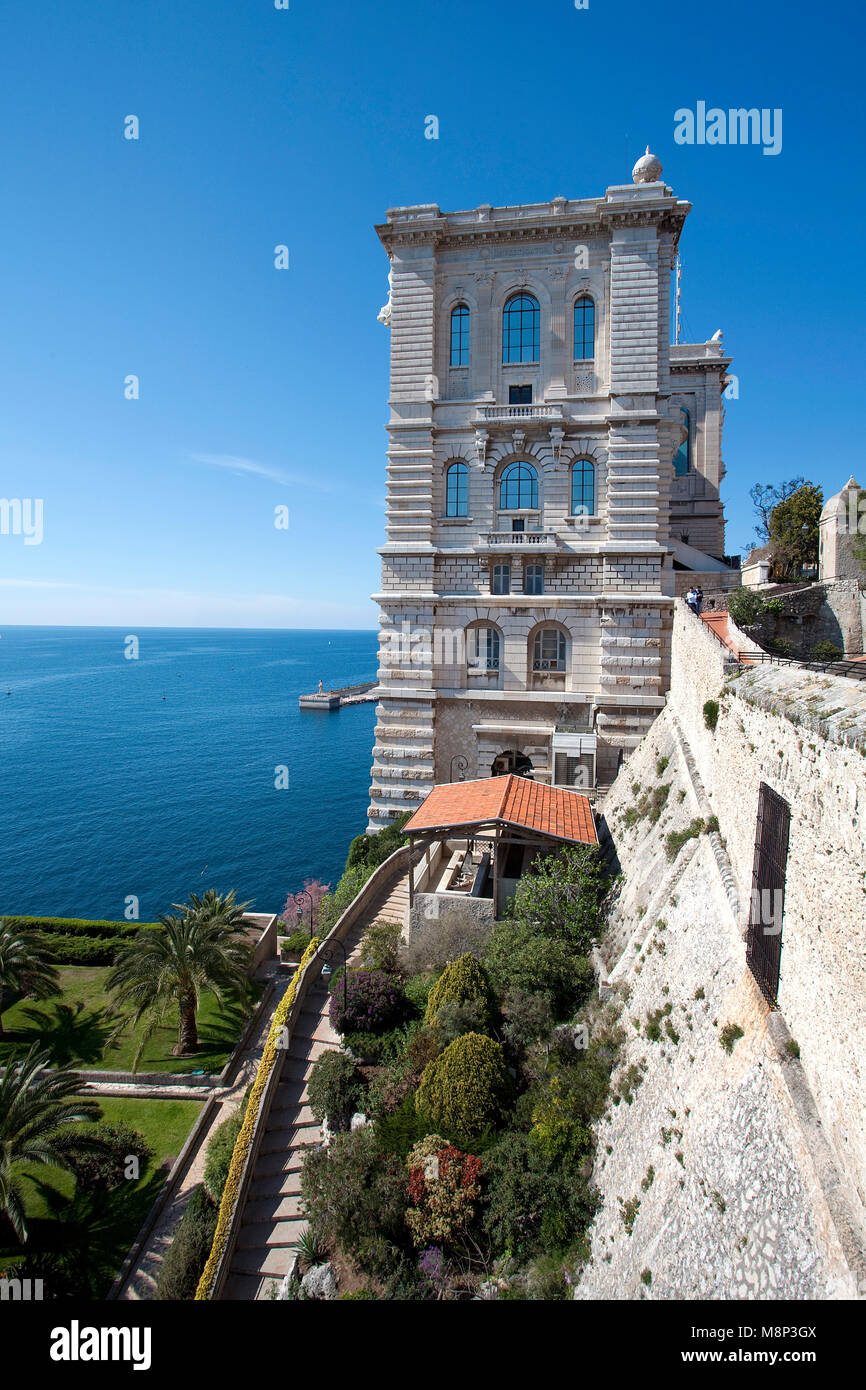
[
  {"x": 304, "y": 894},
  {"x": 462, "y": 765},
  {"x": 326, "y": 954}
]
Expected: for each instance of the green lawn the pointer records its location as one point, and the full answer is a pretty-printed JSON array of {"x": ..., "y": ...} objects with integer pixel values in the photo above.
[
  {"x": 82, "y": 1240},
  {"x": 75, "y": 1026}
]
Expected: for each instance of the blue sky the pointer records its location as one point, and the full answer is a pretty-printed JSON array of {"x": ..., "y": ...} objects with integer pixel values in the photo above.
[{"x": 262, "y": 388}]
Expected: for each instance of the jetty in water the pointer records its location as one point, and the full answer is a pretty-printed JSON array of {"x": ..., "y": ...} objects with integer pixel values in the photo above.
[{"x": 344, "y": 695}]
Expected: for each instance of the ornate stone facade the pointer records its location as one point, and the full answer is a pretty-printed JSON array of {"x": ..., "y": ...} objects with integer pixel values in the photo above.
[{"x": 527, "y": 623}]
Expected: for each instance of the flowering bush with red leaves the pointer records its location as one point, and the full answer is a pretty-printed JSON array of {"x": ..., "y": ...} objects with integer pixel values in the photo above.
[{"x": 443, "y": 1188}]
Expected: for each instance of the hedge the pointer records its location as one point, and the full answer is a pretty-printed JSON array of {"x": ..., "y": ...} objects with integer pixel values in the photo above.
[
  {"x": 244, "y": 1139},
  {"x": 78, "y": 926},
  {"x": 186, "y": 1256},
  {"x": 83, "y": 950}
]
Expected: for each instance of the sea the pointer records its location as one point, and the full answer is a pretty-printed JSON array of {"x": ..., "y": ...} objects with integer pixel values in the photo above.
[{"x": 131, "y": 777}]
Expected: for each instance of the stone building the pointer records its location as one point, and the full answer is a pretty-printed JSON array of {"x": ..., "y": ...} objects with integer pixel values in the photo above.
[
  {"x": 553, "y": 480},
  {"x": 842, "y": 525}
]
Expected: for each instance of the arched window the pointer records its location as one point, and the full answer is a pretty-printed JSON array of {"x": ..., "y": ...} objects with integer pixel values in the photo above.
[
  {"x": 548, "y": 650},
  {"x": 584, "y": 328},
  {"x": 520, "y": 329},
  {"x": 518, "y": 488},
  {"x": 457, "y": 490},
  {"x": 683, "y": 455},
  {"x": 583, "y": 488},
  {"x": 460, "y": 336},
  {"x": 482, "y": 649}
]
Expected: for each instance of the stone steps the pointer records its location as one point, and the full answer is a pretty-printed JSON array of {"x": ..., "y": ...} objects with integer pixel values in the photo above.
[{"x": 268, "y": 1235}]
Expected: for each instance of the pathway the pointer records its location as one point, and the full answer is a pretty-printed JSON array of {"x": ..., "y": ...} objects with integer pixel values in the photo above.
[
  {"x": 272, "y": 1219},
  {"x": 140, "y": 1282}
]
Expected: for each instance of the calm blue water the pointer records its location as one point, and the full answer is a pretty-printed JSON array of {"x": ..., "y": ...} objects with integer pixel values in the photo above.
[{"x": 107, "y": 789}]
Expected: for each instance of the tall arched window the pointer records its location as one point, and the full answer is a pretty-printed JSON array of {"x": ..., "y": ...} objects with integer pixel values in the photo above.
[
  {"x": 583, "y": 488},
  {"x": 482, "y": 649},
  {"x": 548, "y": 650},
  {"x": 683, "y": 455},
  {"x": 460, "y": 336},
  {"x": 521, "y": 329},
  {"x": 584, "y": 328},
  {"x": 518, "y": 488},
  {"x": 457, "y": 490}
]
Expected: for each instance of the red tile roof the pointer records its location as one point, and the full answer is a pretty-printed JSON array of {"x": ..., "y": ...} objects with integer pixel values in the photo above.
[{"x": 513, "y": 800}]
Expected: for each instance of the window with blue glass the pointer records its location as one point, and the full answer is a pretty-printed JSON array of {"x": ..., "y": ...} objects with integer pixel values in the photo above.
[
  {"x": 460, "y": 336},
  {"x": 584, "y": 329},
  {"x": 457, "y": 490},
  {"x": 518, "y": 488},
  {"x": 683, "y": 455},
  {"x": 533, "y": 579},
  {"x": 501, "y": 582},
  {"x": 521, "y": 329},
  {"x": 583, "y": 488}
]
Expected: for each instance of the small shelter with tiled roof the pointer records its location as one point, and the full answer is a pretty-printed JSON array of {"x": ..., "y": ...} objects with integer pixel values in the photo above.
[{"x": 490, "y": 830}]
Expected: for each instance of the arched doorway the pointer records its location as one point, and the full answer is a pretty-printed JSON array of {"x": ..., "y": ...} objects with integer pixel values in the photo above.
[{"x": 510, "y": 761}]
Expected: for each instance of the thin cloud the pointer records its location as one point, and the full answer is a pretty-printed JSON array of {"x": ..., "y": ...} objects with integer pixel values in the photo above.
[{"x": 238, "y": 465}]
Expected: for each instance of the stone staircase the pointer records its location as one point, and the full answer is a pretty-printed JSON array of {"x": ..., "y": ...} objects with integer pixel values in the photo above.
[{"x": 273, "y": 1218}]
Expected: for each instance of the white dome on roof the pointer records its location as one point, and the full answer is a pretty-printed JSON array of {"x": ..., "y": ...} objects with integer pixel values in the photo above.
[
  {"x": 648, "y": 168},
  {"x": 838, "y": 504}
]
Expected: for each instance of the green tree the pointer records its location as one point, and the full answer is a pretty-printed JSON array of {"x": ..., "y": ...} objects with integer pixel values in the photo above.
[
  {"x": 793, "y": 530},
  {"x": 160, "y": 971},
  {"x": 24, "y": 966},
  {"x": 519, "y": 957},
  {"x": 766, "y": 496},
  {"x": 466, "y": 1089},
  {"x": 562, "y": 896},
  {"x": 40, "y": 1116},
  {"x": 462, "y": 981}
]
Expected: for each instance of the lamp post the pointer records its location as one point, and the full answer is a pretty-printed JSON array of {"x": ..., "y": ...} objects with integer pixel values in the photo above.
[
  {"x": 304, "y": 894},
  {"x": 462, "y": 765},
  {"x": 326, "y": 954}
]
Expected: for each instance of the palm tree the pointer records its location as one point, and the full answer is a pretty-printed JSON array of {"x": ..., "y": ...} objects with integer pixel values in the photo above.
[
  {"x": 36, "y": 1115},
  {"x": 24, "y": 965},
  {"x": 200, "y": 948}
]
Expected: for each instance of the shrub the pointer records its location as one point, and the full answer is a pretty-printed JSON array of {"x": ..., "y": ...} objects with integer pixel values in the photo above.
[
  {"x": 730, "y": 1034},
  {"x": 745, "y": 606},
  {"x": 297, "y": 943},
  {"x": 374, "y": 1001},
  {"x": 380, "y": 946},
  {"x": 557, "y": 1130},
  {"x": 711, "y": 714},
  {"x": 532, "y": 1204},
  {"x": 369, "y": 851},
  {"x": 466, "y": 1089},
  {"x": 417, "y": 989},
  {"x": 677, "y": 838},
  {"x": 443, "y": 1188},
  {"x": 186, "y": 1256},
  {"x": 528, "y": 1019},
  {"x": 333, "y": 905},
  {"x": 519, "y": 958},
  {"x": 355, "y": 1196},
  {"x": 382, "y": 1049},
  {"x": 781, "y": 646},
  {"x": 401, "y": 1129},
  {"x": 562, "y": 896},
  {"x": 81, "y": 926},
  {"x": 82, "y": 950},
  {"x": 826, "y": 651},
  {"x": 104, "y": 1167},
  {"x": 455, "y": 1018},
  {"x": 463, "y": 981},
  {"x": 220, "y": 1148},
  {"x": 335, "y": 1088},
  {"x": 431, "y": 951}
]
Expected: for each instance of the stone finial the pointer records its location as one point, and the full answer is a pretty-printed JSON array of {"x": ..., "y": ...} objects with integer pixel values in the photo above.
[{"x": 648, "y": 168}]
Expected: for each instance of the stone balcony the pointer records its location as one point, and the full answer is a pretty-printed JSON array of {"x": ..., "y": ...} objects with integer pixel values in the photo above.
[
  {"x": 503, "y": 414},
  {"x": 518, "y": 540}
]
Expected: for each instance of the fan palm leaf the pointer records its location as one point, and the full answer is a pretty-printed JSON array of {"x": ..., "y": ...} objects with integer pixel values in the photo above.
[{"x": 25, "y": 965}]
